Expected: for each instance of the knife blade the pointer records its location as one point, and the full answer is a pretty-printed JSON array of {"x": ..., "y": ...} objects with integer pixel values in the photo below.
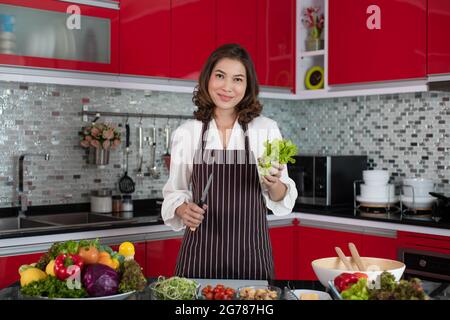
[{"x": 202, "y": 200}]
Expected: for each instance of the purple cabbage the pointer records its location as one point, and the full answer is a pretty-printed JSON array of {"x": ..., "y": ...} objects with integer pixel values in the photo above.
[{"x": 100, "y": 280}]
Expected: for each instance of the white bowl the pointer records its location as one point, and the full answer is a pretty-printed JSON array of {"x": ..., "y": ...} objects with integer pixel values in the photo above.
[
  {"x": 327, "y": 269},
  {"x": 419, "y": 182},
  {"x": 418, "y": 202},
  {"x": 376, "y": 177},
  {"x": 384, "y": 192},
  {"x": 417, "y": 187}
]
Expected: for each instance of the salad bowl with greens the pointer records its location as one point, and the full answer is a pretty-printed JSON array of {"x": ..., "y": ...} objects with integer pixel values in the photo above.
[{"x": 174, "y": 288}]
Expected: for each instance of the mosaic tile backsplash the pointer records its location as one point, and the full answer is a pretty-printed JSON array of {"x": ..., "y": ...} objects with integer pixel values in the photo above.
[{"x": 408, "y": 134}]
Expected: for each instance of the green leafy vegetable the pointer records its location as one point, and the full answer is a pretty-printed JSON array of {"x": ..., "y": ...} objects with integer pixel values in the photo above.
[
  {"x": 279, "y": 151},
  {"x": 358, "y": 291},
  {"x": 388, "y": 289},
  {"x": 132, "y": 277},
  {"x": 51, "y": 287},
  {"x": 175, "y": 288}
]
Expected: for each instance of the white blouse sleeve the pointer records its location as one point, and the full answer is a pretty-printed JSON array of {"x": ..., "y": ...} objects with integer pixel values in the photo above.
[
  {"x": 284, "y": 206},
  {"x": 177, "y": 189}
]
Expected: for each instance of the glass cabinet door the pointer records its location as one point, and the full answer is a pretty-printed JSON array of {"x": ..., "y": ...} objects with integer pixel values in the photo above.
[{"x": 54, "y": 34}]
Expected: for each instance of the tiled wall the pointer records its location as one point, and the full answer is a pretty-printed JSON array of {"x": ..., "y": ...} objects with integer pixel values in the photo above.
[{"x": 407, "y": 134}]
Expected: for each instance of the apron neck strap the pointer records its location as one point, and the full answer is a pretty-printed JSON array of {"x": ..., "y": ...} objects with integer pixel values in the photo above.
[{"x": 205, "y": 128}]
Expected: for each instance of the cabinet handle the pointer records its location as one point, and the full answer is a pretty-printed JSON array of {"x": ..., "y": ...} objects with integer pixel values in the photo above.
[{"x": 108, "y": 4}]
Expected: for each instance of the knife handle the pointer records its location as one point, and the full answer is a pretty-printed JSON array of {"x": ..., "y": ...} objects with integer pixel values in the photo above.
[{"x": 200, "y": 204}]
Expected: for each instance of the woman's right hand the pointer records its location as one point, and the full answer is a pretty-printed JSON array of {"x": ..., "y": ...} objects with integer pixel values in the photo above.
[{"x": 191, "y": 214}]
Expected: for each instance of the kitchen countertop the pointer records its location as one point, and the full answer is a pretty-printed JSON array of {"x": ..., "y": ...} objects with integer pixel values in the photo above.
[
  {"x": 12, "y": 292},
  {"x": 143, "y": 225}
]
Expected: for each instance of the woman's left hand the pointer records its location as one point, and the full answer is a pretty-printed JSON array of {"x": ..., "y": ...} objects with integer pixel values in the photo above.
[{"x": 275, "y": 187}]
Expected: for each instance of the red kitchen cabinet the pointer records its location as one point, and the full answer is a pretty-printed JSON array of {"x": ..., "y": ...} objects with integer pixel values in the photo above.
[
  {"x": 139, "y": 252},
  {"x": 275, "y": 62},
  {"x": 438, "y": 44},
  {"x": 283, "y": 251},
  {"x": 48, "y": 34},
  {"x": 376, "y": 40},
  {"x": 379, "y": 247},
  {"x": 237, "y": 26},
  {"x": 145, "y": 38},
  {"x": 9, "y": 267},
  {"x": 315, "y": 243},
  {"x": 162, "y": 257},
  {"x": 424, "y": 242},
  {"x": 193, "y": 36}
]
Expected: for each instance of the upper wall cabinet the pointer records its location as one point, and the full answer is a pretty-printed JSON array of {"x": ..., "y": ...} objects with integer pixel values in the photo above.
[
  {"x": 438, "y": 37},
  {"x": 237, "y": 26},
  {"x": 377, "y": 40},
  {"x": 62, "y": 35},
  {"x": 193, "y": 36},
  {"x": 275, "y": 63},
  {"x": 145, "y": 37}
]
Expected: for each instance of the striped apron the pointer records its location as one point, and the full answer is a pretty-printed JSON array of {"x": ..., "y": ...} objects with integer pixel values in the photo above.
[{"x": 232, "y": 242}]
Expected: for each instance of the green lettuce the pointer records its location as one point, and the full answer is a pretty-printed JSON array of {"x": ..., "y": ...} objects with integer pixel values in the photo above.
[{"x": 279, "y": 151}]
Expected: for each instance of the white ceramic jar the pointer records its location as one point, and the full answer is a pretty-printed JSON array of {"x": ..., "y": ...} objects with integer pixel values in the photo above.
[{"x": 101, "y": 201}]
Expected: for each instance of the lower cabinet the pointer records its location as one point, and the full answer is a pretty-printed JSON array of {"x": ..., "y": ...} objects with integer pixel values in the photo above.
[
  {"x": 9, "y": 267},
  {"x": 162, "y": 257},
  {"x": 424, "y": 242},
  {"x": 315, "y": 243},
  {"x": 379, "y": 247},
  {"x": 283, "y": 251}
]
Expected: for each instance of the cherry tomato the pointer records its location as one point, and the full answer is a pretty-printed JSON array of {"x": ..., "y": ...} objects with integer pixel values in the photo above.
[
  {"x": 209, "y": 296},
  {"x": 229, "y": 291},
  {"x": 207, "y": 289},
  {"x": 218, "y": 296}
]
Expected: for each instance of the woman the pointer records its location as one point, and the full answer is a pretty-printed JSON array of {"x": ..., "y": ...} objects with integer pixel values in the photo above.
[{"x": 228, "y": 237}]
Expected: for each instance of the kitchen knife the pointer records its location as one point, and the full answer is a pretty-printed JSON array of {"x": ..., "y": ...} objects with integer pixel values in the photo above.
[{"x": 204, "y": 195}]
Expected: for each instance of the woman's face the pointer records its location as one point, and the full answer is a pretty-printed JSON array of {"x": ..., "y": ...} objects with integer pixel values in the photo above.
[{"x": 227, "y": 83}]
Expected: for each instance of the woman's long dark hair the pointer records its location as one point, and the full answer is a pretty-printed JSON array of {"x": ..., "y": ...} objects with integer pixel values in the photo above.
[{"x": 249, "y": 107}]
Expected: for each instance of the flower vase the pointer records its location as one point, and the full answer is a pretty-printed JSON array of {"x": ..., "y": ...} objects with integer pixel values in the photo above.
[
  {"x": 98, "y": 156},
  {"x": 314, "y": 44}
]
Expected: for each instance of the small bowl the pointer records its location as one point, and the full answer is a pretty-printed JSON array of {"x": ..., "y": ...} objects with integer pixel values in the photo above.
[
  {"x": 418, "y": 202},
  {"x": 326, "y": 269},
  {"x": 254, "y": 294},
  {"x": 417, "y": 187},
  {"x": 155, "y": 295}
]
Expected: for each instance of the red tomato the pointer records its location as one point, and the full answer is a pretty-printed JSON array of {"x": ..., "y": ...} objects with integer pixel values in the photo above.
[
  {"x": 207, "y": 289},
  {"x": 209, "y": 296},
  {"x": 229, "y": 291},
  {"x": 218, "y": 296},
  {"x": 89, "y": 255}
]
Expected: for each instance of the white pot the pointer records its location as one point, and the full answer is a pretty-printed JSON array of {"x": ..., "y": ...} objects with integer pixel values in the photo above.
[
  {"x": 417, "y": 187},
  {"x": 383, "y": 192},
  {"x": 376, "y": 177}
]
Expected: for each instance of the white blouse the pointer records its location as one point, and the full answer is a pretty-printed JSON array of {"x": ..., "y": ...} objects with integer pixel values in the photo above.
[{"x": 185, "y": 140}]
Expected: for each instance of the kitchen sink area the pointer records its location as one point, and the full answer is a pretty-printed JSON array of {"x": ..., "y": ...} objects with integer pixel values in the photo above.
[
  {"x": 51, "y": 221},
  {"x": 15, "y": 223},
  {"x": 77, "y": 218}
]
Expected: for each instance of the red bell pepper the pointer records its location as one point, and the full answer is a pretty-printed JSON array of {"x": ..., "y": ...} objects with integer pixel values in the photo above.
[
  {"x": 63, "y": 262},
  {"x": 345, "y": 280}
]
